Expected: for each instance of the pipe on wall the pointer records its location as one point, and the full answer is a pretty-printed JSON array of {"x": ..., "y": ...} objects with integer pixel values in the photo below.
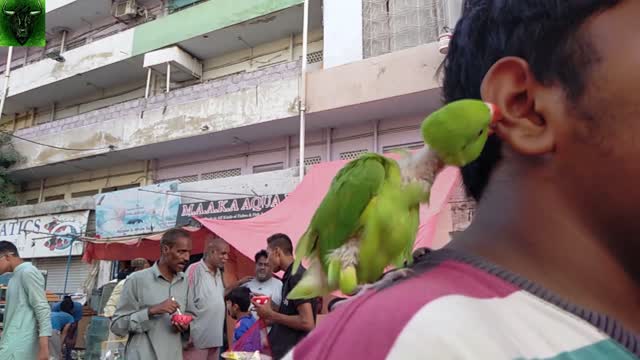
[
  {"x": 147, "y": 164},
  {"x": 376, "y": 128},
  {"x": 41, "y": 195},
  {"x": 63, "y": 41},
  {"x": 287, "y": 151},
  {"x": 7, "y": 75},
  {"x": 329, "y": 134},
  {"x": 303, "y": 93},
  {"x": 148, "y": 86},
  {"x": 168, "y": 76},
  {"x": 53, "y": 111}
]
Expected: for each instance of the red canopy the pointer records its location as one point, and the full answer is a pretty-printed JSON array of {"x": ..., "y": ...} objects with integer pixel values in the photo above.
[
  {"x": 291, "y": 217},
  {"x": 145, "y": 246}
]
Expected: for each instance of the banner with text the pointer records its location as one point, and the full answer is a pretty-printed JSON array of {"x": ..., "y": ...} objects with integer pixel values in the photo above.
[
  {"x": 47, "y": 235},
  {"x": 229, "y": 209},
  {"x": 137, "y": 211}
]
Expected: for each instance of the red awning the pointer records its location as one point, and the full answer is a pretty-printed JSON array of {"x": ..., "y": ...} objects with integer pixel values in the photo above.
[{"x": 131, "y": 247}]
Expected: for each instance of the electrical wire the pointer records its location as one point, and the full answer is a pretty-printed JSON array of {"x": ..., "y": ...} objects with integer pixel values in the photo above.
[{"x": 110, "y": 147}]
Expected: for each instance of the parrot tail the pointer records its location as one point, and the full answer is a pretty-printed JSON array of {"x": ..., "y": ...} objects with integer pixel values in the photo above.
[
  {"x": 313, "y": 284},
  {"x": 303, "y": 249}
]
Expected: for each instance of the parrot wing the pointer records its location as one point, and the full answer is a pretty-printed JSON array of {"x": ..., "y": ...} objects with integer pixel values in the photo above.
[{"x": 338, "y": 217}]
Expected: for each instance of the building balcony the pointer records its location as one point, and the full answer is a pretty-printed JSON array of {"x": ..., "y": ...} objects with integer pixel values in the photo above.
[{"x": 142, "y": 129}]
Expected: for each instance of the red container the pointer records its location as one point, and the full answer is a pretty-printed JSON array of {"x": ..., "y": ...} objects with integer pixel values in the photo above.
[
  {"x": 182, "y": 319},
  {"x": 260, "y": 300}
]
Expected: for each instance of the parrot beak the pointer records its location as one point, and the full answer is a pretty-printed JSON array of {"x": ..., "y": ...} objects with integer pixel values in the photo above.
[{"x": 496, "y": 116}]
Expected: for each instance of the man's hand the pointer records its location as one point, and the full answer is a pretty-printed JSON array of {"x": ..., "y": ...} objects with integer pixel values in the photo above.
[
  {"x": 179, "y": 327},
  {"x": 168, "y": 306},
  {"x": 264, "y": 311},
  {"x": 43, "y": 352}
]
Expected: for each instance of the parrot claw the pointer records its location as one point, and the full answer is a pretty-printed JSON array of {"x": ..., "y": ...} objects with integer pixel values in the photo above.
[
  {"x": 386, "y": 281},
  {"x": 348, "y": 280},
  {"x": 391, "y": 277}
]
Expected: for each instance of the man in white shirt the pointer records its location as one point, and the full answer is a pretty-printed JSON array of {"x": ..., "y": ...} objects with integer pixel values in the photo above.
[
  {"x": 206, "y": 298},
  {"x": 264, "y": 283}
]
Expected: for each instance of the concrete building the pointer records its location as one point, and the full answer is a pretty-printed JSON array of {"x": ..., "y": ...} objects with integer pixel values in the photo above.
[{"x": 129, "y": 93}]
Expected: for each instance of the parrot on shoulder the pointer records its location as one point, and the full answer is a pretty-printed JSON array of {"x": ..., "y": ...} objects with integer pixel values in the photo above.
[{"x": 369, "y": 218}]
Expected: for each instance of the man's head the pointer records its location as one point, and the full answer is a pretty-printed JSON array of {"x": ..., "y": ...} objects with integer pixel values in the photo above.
[
  {"x": 238, "y": 302},
  {"x": 216, "y": 253},
  {"x": 263, "y": 269},
  {"x": 8, "y": 256},
  {"x": 280, "y": 251},
  {"x": 67, "y": 305},
  {"x": 175, "y": 249},
  {"x": 139, "y": 264},
  {"x": 564, "y": 75}
]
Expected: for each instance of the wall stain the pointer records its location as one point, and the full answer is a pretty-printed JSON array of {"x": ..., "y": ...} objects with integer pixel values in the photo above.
[
  {"x": 98, "y": 140},
  {"x": 263, "y": 20}
]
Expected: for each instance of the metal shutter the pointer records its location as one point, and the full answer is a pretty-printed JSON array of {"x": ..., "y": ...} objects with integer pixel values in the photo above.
[{"x": 56, "y": 269}]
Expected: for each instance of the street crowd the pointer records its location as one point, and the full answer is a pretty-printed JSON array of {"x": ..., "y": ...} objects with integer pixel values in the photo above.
[{"x": 143, "y": 304}]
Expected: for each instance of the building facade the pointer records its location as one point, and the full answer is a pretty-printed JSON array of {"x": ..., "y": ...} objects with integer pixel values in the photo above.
[{"x": 130, "y": 93}]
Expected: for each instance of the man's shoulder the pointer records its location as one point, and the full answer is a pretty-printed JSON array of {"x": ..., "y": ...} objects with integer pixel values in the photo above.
[
  {"x": 294, "y": 277},
  {"x": 271, "y": 283},
  {"x": 30, "y": 271},
  {"x": 441, "y": 298},
  {"x": 142, "y": 275},
  {"x": 28, "y": 267}
]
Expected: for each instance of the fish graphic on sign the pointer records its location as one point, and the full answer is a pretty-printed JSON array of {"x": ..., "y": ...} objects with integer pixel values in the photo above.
[{"x": 62, "y": 234}]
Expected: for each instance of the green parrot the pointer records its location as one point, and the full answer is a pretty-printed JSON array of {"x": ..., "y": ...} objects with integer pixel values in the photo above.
[
  {"x": 457, "y": 132},
  {"x": 355, "y": 213},
  {"x": 369, "y": 218}
]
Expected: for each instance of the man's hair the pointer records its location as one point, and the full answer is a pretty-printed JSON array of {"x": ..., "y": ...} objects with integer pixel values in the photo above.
[
  {"x": 544, "y": 33},
  {"x": 139, "y": 264},
  {"x": 261, "y": 254},
  {"x": 67, "y": 305},
  {"x": 7, "y": 247},
  {"x": 240, "y": 296},
  {"x": 170, "y": 237},
  {"x": 282, "y": 242}
]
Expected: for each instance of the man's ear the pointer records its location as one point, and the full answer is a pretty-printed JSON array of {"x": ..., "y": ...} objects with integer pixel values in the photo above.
[{"x": 511, "y": 86}]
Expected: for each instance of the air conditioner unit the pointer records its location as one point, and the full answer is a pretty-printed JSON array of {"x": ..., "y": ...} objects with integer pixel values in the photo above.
[{"x": 125, "y": 9}]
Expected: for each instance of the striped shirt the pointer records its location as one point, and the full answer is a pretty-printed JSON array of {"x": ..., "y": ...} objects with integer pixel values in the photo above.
[{"x": 461, "y": 307}]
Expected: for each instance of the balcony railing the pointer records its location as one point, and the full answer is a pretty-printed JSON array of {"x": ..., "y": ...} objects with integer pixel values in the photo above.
[{"x": 209, "y": 89}]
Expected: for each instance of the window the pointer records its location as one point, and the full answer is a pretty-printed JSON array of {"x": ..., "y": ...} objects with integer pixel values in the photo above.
[
  {"x": 315, "y": 57},
  {"x": 310, "y": 161},
  {"x": 182, "y": 179},
  {"x": 118, "y": 188},
  {"x": 31, "y": 201},
  {"x": 54, "y": 197},
  {"x": 408, "y": 146},
  {"x": 188, "y": 178},
  {"x": 83, "y": 193},
  {"x": 268, "y": 167},
  {"x": 352, "y": 155},
  {"x": 221, "y": 174}
]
